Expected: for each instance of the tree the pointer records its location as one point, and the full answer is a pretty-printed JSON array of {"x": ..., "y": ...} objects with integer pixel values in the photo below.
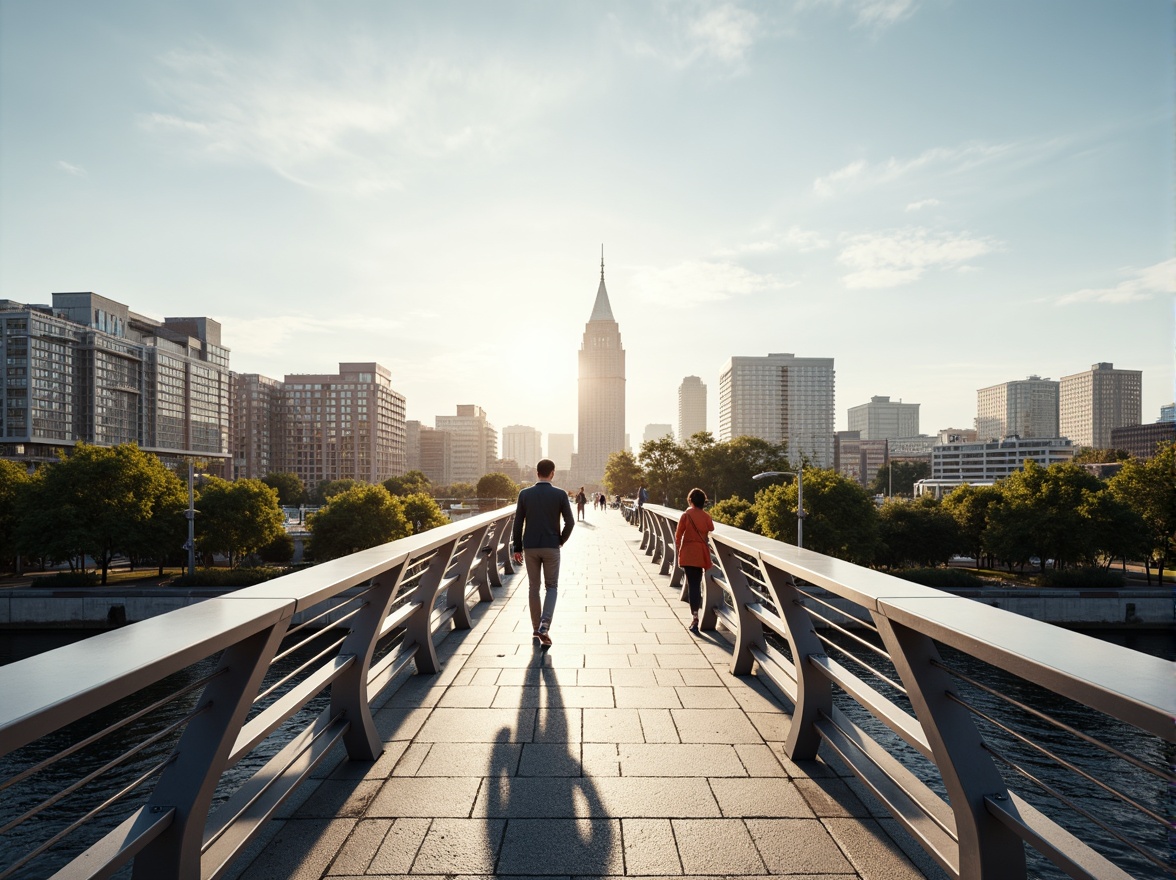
[
  {"x": 1149, "y": 488},
  {"x": 915, "y": 533},
  {"x": 1091, "y": 455},
  {"x": 840, "y": 521},
  {"x": 237, "y": 518},
  {"x": 737, "y": 512},
  {"x": 14, "y": 484},
  {"x": 408, "y": 484},
  {"x": 457, "y": 490},
  {"x": 1115, "y": 529},
  {"x": 899, "y": 478},
  {"x": 423, "y": 513},
  {"x": 969, "y": 506},
  {"x": 363, "y": 516},
  {"x": 497, "y": 486},
  {"x": 328, "y": 489},
  {"x": 662, "y": 462},
  {"x": 289, "y": 487},
  {"x": 279, "y": 551},
  {"x": 622, "y": 474},
  {"x": 726, "y": 469}
]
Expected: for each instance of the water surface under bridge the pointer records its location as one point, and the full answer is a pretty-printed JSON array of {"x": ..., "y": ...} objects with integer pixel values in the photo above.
[{"x": 627, "y": 749}]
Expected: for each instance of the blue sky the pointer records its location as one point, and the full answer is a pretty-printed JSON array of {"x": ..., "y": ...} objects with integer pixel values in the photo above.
[{"x": 939, "y": 195}]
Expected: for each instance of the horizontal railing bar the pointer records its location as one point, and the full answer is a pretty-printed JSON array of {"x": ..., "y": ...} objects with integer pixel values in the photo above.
[
  {"x": 109, "y": 729},
  {"x": 1169, "y": 778},
  {"x": 814, "y": 597},
  {"x": 832, "y": 645},
  {"x": 1053, "y": 841},
  {"x": 120, "y": 845},
  {"x": 272, "y": 717},
  {"x": 397, "y": 618},
  {"x": 770, "y": 619},
  {"x": 109, "y": 765},
  {"x": 778, "y": 673},
  {"x": 1086, "y": 814},
  {"x": 389, "y": 667},
  {"x": 1057, "y": 759},
  {"x": 78, "y": 823},
  {"x": 879, "y": 651},
  {"x": 302, "y": 643},
  {"x": 326, "y": 611},
  {"x": 334, "y": 646},
  {"x": 887, "y": 711}
]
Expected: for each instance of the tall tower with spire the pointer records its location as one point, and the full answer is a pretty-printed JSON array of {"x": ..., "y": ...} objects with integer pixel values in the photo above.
[{"x": 602, "y": 390}]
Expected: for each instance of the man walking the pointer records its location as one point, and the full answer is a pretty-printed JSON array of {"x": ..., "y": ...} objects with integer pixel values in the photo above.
[{"x": 538, "y": 537}]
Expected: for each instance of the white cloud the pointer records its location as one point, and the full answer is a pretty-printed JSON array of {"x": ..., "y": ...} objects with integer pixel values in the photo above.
[
  {"x": 271, "y": 335},
  {"x": 859, "y": 174},
  {"x": 922, "y": 203},
  {"x": 891, "y": 259},
  {"x": 355, "y": 119},
  {"x": 876, "y": 14},
  {"x": 1143, "y": 284},
  {"x": 70, "y": 168},
  {"x": 803, "y": 240},
  {"x": 719, "y": 33},
  {"x": 697, "y": 282}
]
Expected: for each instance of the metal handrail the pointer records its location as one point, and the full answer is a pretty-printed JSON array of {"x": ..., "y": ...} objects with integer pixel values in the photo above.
[
  {"x": 992, "y": 825},
  {"x": 243, "y": 632}
]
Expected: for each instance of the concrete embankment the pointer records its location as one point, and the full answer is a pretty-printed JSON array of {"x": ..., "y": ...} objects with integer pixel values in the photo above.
[{"x": 96, "y": 607}]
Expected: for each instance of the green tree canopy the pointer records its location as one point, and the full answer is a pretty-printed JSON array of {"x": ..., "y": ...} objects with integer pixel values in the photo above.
[
  {"x": 622, "y": 474},
  {"x": 236, "y": 518},
  {"x": 423, "y": 513},
  {"x": 289, "y": 487},
  {"x": 363, "y": 516},
  {"x": 664, "y": 464},
  {"x": 408, "y": 484},
  {"x": 328, "y": 489},
  {"x": 726, "y": 469},
  {"x": 905, "y": 475},
  {"x": 915, "y": 533},
  {"x": 15, "y": 482},
  {"x": 841, "y": 518},
  {"x": 457, "y": 490},
  {"x": 1092, "y": 455},
  {"x": 1149, "y": 488},
  {"x": 969, "y": 506},
  {"x": 497, "y": 486},
  {"x": 737, "y": 512}
]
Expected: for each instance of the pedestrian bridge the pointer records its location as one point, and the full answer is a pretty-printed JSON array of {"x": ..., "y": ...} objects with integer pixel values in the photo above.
[{"x": 306, "y": 747}]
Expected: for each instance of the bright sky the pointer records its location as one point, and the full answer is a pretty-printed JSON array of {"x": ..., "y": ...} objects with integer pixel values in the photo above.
[{"x": 939, "y": 194}]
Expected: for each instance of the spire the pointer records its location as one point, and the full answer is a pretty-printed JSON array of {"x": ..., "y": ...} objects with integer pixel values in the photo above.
[{"x": 601, "y": 310}]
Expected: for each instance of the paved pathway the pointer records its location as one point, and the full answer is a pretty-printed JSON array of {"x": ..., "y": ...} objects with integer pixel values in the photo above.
[{"x": 627, "y": 749}]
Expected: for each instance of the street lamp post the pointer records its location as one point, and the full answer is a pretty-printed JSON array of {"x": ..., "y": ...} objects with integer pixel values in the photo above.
[{"x": 799, "y": 498}]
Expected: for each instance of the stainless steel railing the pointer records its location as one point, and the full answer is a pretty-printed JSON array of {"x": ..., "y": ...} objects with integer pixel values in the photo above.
[
  {"x": 933, "y": 701},
  {"x": 210, "y": 716}
]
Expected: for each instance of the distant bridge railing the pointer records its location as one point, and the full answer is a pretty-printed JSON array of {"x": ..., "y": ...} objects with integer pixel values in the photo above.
[
  {"x": 260, "y": 683},
  {"x": 833, "y": 636}
]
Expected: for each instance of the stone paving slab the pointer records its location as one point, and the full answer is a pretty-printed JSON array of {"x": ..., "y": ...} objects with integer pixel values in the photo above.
[{"x": 627, "y": 750}]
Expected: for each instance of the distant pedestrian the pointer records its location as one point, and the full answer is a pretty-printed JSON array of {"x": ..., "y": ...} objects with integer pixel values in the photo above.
[
  {"x": 537, "y": 537},
  {"x": 581, "y": 503},
  {"x": 642, "y": 496},
  {"x": 693, "y": 548}
]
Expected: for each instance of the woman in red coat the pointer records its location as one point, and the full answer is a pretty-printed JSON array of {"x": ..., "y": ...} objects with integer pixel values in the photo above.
[{"x": 693, "y": 546}]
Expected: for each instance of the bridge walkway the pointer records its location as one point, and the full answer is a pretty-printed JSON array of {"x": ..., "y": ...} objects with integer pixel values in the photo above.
[{"x": 628, "y": 749}]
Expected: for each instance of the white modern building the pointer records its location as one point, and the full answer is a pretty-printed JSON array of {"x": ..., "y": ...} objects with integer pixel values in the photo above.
[
  {"x": 884, "y": 419},
  {"x": 1022, "y": 407},
  {"x": 522, "y": 444},
  {"x": 474, "y": 443},
  {"x": 780, "y": 398},
  {"x": 1098, "y": 400},
  {"x": 657, "y": 431},
  {"x": 984, "y": 462},
  {"x": 691, "y": 407}
]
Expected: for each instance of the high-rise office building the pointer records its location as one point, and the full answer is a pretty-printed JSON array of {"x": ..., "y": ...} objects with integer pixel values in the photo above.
[
  {"x": 780, "y": 397},
  {"x": 560, "y": 448},
  {"x": 474, "y": 444},
  {"x": 657, "y": 431},
  {"x": 523, "y": 445},
  {"x": 1168, "y": 412},
  {"x": 1025, "y": 408},
  {"x": 884, "y": 419},
  {"x": 1096, "y": 401},
  {"x": 412, "y": 445},
  {"x": 691, "y": 407},
  {"x": 89, "y": 369},
  {"x": 436, "y": 455},
  {"x": 348, "y": 425},
  {"x": 601, "y": 426},
  {"x": 255, "y": 432}
]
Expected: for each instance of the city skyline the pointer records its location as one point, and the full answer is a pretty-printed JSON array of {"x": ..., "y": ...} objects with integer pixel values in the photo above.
[{"x": 381, "y": 184}]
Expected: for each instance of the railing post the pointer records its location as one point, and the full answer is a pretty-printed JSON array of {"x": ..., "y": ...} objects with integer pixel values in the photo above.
[
  {"x": 659, "y": 537},
  {"x": 646, "y": 537},
  {"x": 988, "y": 849},
  {"x": 504, "y": 557},
  {"x": 456, "y": 596},
  {"x": 814, "y": 692},
  {"x": 418, "y": 629},
  {"x": 494, "y": 555},
  {"x": 190, "y": 781},
  {"x": 669, "y": 552},
  {"x": 349, "y": 693},
  {"x": 751, "y": 631}
]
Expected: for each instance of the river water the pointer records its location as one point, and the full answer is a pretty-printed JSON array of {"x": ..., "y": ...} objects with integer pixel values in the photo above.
[{"x": 16, "y": 645}]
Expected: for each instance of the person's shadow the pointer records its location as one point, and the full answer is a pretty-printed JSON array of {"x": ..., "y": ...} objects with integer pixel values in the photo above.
[{"x": 555, "y": 821}]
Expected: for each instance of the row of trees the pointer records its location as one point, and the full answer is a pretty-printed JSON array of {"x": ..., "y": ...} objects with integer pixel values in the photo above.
[
  {"x": 100, "y": 503},
  {"x": 1062, "y": 516},
  {"x": 292, "y": 492}
]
